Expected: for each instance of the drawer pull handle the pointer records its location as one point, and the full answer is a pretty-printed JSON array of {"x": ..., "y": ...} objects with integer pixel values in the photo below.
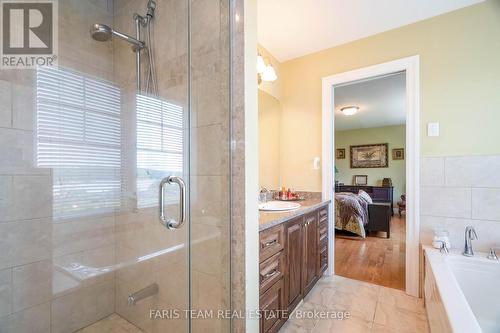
[
  {"x": 270, "y": 274},
  {"x": 274, "y": 241}
]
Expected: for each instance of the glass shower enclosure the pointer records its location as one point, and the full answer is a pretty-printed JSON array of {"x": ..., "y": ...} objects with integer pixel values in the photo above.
[{"x": 115, "y": 167}]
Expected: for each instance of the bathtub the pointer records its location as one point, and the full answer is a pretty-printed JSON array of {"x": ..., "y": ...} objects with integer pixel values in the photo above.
[{"x": 462, "y": 294}]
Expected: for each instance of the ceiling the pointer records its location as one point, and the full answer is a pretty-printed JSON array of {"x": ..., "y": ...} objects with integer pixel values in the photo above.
[
  {"x": 293, "y": 28},
  {"x": 381, "y": 102}
]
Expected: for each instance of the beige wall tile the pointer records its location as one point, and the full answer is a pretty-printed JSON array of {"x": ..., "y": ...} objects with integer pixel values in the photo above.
[
  {"x": 25, "y": 197},
  {"x": 138, "y": 314},
  {"x": 31, "y": 284},
  {"x": 473, "y": 171},
  {"x": 206, "y": 26},
  {"x": 444, "y": 201},
  {"x": 28, "y": 241},
  {"x": 23, "y": 107},
  {"x": 432, "y": 171},
  {"x": 32, "y": 320},
  {"x": 5, "y": 292},
  {"x": 485, "y": 204},
  {"x": 6, "y": 105},
  {"x": 82, "y": 308},
  {"x": 17, "y": 154},
  {"x": 207, "y": 142},
  {"x": 207, "y": 194},
  {"x": 82, "y": 234}
]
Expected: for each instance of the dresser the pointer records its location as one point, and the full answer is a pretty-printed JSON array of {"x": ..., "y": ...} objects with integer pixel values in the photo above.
[{"x": 377, "y": 193}]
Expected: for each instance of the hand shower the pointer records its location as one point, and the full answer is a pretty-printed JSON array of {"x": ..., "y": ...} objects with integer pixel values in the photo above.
[{"x": 103, "y": 33}]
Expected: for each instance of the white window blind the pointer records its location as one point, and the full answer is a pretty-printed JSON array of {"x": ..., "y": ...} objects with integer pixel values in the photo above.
[
  {"x": 79, "y": 137},
  {"x": 159, "y": 147}
]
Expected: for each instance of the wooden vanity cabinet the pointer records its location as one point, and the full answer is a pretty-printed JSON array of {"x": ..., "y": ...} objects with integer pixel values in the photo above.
[
  {"x": 271, "y": 273},
  {"x": 310, "y": 251},
  {"x": 294, "y": 262},
  {"x": 271, "y": 304},
  {"x": 293, "y": 256},
  {"x": 322, "y": 255}
]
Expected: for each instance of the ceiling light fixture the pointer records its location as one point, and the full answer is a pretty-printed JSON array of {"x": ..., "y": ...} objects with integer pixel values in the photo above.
[{"x": 349, "y": 110}]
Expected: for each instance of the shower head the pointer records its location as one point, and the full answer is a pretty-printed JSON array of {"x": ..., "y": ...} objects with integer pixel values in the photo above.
[{"x": 103, "y": 33}]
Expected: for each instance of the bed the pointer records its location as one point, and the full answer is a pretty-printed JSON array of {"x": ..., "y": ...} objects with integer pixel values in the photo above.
[{"x": 351, "y": 213}]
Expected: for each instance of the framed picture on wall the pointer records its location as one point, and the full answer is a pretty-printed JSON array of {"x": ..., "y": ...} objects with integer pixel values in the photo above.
[
  {"x": 369, "y": 156},
  {"x": 361, "y": 180},
  {"x": 340, "y": 153},
  {"x": 398, "y": 154}
]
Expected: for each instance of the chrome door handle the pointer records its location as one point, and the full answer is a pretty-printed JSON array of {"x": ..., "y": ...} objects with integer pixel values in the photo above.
[{"x": 164, "y": 219}]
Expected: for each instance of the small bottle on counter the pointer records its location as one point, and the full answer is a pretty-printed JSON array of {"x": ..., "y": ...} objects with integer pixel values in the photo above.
[{"x": 284, "y": 194}]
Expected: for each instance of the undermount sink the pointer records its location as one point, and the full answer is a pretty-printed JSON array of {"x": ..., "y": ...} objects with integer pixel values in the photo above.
[{"x": 278, "y": 206}]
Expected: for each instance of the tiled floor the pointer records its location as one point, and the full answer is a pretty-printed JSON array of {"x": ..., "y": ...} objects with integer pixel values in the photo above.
[
  {"x": 111, "y": 324},
  {"x": 372, "y": 308}
]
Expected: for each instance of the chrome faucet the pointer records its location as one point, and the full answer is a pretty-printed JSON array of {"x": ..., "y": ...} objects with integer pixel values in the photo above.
[
  {"x": 492, "y": 255},
  {"x": 443, "y": 247},
  {"x": 470, "y": 234},
  {"x": 263, "y": 193}
]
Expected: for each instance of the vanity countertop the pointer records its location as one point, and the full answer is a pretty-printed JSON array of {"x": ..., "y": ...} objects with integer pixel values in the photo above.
[{"x": 270, "y": 219}]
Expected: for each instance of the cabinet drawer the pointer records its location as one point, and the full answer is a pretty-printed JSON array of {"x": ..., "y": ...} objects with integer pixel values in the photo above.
[
  {"x": 323, "y": 213},
  {"x": 271, "y": 242},
  {"x": 323, "y": 234},
  {"x": 272, "y": 306},
  {"x": 381, "y": 193},
  {"x": 323, "y": 258},
  {"x": 271, "y": 270}
]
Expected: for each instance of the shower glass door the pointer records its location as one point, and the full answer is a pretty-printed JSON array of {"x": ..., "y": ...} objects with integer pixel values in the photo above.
[{"x": 86, "y": 143}]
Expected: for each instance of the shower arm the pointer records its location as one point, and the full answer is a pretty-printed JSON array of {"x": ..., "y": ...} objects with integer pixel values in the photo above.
[{"x": 138, "y": 45}]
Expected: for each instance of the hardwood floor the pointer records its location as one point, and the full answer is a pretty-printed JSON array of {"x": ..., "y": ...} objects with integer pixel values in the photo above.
[{"x": 375, "y": 259}]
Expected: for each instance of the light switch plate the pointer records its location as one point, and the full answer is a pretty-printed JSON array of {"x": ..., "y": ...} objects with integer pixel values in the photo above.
[
  {"x": 316, "y": 163},
  {"x": 433, "y": 129}
]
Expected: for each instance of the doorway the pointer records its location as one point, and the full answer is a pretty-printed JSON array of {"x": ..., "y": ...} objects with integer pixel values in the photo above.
[
  {"x": 370, "y": 180},
  {"x": 410, "y": 66}
]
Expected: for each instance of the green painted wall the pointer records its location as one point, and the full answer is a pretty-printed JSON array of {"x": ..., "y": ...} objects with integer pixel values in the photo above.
[
  {"x": 393, "y": 135},
  {"x": 459, "y": 85}
]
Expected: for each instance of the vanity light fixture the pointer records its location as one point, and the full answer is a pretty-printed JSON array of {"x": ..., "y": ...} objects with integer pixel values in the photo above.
[
  {"x": 349, "y": 110},
  {"x": 261, "y": 64},
  {"x": 269, "y": 74},
  {"x": 265, "y": 72}
]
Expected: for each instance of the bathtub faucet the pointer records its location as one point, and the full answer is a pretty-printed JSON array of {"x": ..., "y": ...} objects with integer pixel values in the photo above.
[
  {"x": 470, "y": 234},
  {"x": 493, "y": 255}
]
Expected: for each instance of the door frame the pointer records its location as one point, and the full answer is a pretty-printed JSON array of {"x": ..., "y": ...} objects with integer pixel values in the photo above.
[{"x": 411, "y": 66}]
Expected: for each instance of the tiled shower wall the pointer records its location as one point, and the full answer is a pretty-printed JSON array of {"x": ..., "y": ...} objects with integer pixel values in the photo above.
[
  {"x": 461, "y": 191},
  {"x": 36, "y": 292},
  {"x": 39, "y": 291},
  {"x": 138, "y": 232}
]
